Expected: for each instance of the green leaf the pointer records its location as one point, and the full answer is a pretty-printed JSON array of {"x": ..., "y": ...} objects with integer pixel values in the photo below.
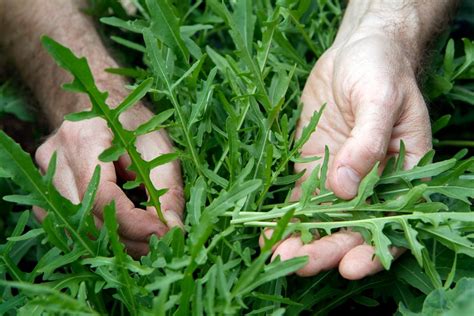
[
  {"x": 47, "y": 299},
  {"x": 132, "y": 26},
  {"x": 468, "y": 59},
  {"x": 456, "y": 301},
  {"x": 309, "y": 129},
  {"x": 163, "y": 159},
  {"x": 12, "y": 102},
  {"x": 419, "y": 172},
  {"x": 25, "y": 174},
  {"x": 366, "y": 186},
  {"x": 409, "y": 271},
  {"x": 127, "y": 43},
  {"x": 127, "y": 287},
  {"x": 204, "y": 99},
  {"x": 462, "y": 94},
  {"x": 451, "y": 238},
  {"x": 154, "y": 123},
  {"x": 79, "y": 116},
  {"x": 448, "y": 63},
  {"x": 138, "y": 93},
  {"x": 290, "y": 179},
  {"x": 440, "y": 123},
  {"x": 30, "y": 234},
  {"x": 165, "y": 26},
  {"x": 308, "y": 188},
  {"x": 112, "y": 154},
  {"x": 123, "y": 139}
]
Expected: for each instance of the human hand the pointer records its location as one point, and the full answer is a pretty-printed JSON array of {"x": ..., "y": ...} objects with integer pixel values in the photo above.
[
  {"x": 368, "y": 83},
  {"x": 78, "y": 145}
]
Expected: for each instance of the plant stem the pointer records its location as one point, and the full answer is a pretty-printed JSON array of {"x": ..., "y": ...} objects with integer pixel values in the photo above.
[{"x": 456, "y": 143}]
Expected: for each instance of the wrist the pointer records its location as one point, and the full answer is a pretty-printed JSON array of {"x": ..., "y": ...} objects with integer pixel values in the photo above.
[
  {"x": 396, "y": 22},
  {"x": 406, "y": 24}
]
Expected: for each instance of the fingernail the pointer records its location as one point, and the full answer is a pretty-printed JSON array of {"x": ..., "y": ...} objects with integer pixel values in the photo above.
[{"x": 348, "y": 179}]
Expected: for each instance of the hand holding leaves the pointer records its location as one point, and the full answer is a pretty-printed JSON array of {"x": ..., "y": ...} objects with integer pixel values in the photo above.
[
  {"x": 142, "y": 156},
  {"x": 372, "y": 104}
]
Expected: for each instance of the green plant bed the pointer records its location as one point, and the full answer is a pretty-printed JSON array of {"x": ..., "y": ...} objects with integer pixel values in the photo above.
[{"x": 226, "y": 82}]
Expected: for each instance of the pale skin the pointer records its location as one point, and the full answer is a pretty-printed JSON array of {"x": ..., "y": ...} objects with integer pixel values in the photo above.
[{"x": 367, "y": 79}]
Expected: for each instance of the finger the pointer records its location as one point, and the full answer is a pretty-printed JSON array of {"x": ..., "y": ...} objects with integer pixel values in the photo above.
[
  {"x": 167, "y": 176},
  {"x": 414, "y": 129},
  {"x": 134, "y": 223},
  {"x": 361, "y": 262},
  {"x": 326, "y": 253},
  {"x": 136, "y": 249},
  {"x": 308, "y": 169},
  {"x": 366, "y": 145},
  {"x": 40, "y": 214},
  {"x": 63, "y": 179},
  {"x": 121, "y": 167},
  {"x": 315, "y": 94},
  {"x": 323, "y": 254},
  {"x": 286, "y": 249},
  {"x": 266, "y": 235}
]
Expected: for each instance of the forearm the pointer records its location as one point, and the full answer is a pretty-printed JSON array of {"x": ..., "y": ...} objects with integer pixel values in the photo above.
[
  {"x": 23, "y": 22},
  {"x": 411, "y": 23}
]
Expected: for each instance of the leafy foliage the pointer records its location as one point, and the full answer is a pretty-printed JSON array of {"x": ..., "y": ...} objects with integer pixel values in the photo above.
[
  {"x": 456, "y": 301},
  {"x": 226, "y": 80},
  {"x": 11, "y": 102}
]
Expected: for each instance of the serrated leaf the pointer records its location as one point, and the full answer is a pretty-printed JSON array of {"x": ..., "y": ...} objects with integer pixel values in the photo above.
[
  {"x": 23, "y": 199},
  {"x": 154, "y": 123},
  {"x": 165, "y": 27},
  {"x": 366, "y": 186},
  {"x": 290, "y": 179},
  {"x": 129, "y": 185},
  {"x": 309, "y": 129},
  {"x": 84, "y": 82},
  {"x": 132, "y": 26},
  {"x": 163, "y": 159},
  {"x": 79, "y": 116},
  {"x": 25, "y": 174},
  {"x": 308, "y": 188},
  {"x": 137, "y": 94},
  {"x": 419, "y": 172},
  {"x": 204, "y": 98},
  {"x": 112, "y": 153},
  {"x": 127, "y": 288},
  {"x": 468, "y": 59},
  {"x": 29, "y": 235}
]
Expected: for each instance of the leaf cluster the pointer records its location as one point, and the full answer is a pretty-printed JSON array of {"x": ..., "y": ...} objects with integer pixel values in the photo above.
[{"x": 225, "y": 78}]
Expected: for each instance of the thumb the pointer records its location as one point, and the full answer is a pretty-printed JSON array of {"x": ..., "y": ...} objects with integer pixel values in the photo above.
[{"x": 366, "y": 145}]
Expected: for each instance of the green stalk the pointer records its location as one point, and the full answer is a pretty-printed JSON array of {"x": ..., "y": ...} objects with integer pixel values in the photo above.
[
  {"x": 135, "y": 157},
  {"x": 456, "y": 143}
]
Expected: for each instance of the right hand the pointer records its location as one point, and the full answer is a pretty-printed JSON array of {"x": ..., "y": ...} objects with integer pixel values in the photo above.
[
  {"x": 78, "y": 146},
  {"x": 373, "y": 102}
]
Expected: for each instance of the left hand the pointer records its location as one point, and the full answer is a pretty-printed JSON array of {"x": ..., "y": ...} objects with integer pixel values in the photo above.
[{"x": 78, "y": 145}]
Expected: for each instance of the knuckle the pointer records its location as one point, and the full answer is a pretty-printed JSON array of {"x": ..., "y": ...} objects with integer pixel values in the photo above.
[
  {"x": 44, "y": 152},
  {"x": 80, "y": 133},
  {"x": 174, "y": 198}
]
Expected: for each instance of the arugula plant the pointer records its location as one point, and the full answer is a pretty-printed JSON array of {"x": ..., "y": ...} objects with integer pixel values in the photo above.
[
  {"x": 226, "y": 80},
  {"x": 12, "y": 102}
]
